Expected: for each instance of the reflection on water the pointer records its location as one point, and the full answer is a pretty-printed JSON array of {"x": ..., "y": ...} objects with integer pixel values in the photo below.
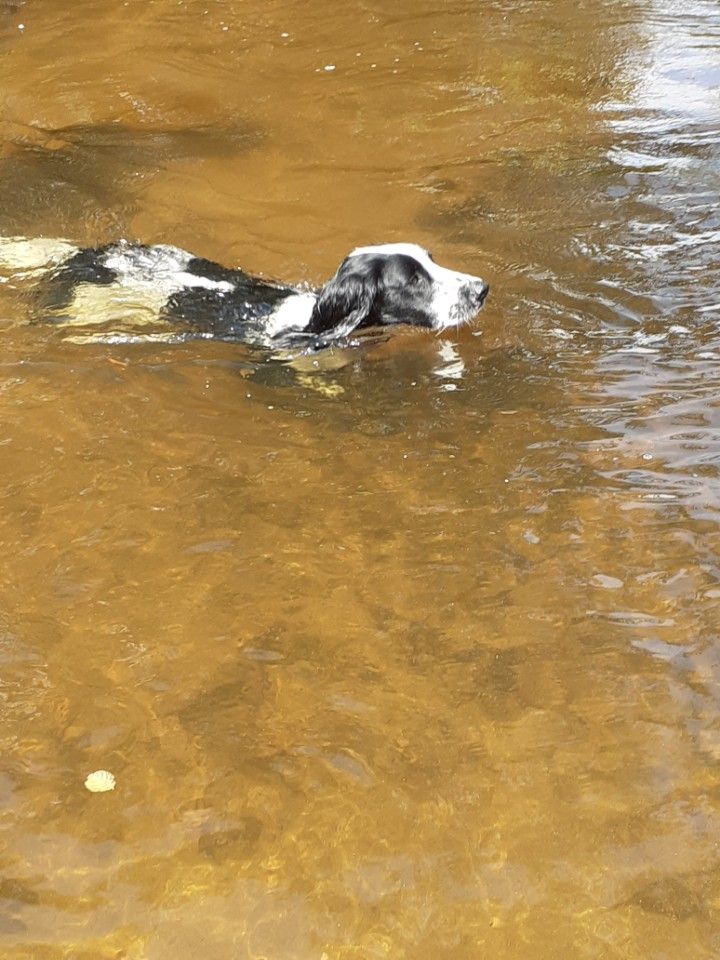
[
  {"x": 410, "y": 652},
  {"x": 47, "y": 171}
]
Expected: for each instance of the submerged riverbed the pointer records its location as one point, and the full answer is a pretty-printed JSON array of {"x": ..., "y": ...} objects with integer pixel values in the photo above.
[{"x": 414, "y": 653}]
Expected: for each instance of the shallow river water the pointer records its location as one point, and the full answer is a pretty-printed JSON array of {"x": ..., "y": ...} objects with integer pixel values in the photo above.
[{"x": 413, "y": 653}]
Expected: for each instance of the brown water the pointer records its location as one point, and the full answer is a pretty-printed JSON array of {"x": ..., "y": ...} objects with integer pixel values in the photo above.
[{"x": 413, "y": 658}]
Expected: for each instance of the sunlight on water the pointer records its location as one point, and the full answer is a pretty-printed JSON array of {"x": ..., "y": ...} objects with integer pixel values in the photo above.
[{"x": 402, "y": 651}]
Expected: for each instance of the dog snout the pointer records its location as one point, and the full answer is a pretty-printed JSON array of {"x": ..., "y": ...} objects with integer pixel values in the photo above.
[{"x": 480, "y": 291}]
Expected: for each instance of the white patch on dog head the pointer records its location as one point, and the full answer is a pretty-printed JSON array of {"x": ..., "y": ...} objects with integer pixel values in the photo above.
[{"x": 403, "y": 249}]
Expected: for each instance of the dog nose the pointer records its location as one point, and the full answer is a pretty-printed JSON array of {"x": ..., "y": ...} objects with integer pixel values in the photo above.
[{"x": 479, "y": 291}]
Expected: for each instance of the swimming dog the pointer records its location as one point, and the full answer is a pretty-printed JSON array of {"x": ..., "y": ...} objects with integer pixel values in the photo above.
[{"x": 375, "y": 286}]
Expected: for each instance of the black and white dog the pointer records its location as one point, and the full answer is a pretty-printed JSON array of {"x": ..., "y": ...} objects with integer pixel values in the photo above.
[{"x": 376, "y": 286}]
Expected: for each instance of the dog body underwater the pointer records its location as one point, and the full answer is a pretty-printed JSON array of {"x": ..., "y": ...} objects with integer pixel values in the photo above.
[{"x": 376, "y": 286}]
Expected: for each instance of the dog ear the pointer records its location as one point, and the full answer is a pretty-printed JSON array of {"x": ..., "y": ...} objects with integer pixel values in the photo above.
[{"x": 343, "y": 303}]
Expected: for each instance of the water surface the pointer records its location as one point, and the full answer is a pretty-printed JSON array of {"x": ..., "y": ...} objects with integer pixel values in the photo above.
[{"x": 416, "y": 657}]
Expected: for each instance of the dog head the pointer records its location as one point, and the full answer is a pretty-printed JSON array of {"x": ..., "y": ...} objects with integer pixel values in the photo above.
[{"x": 392, "y": 284}]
